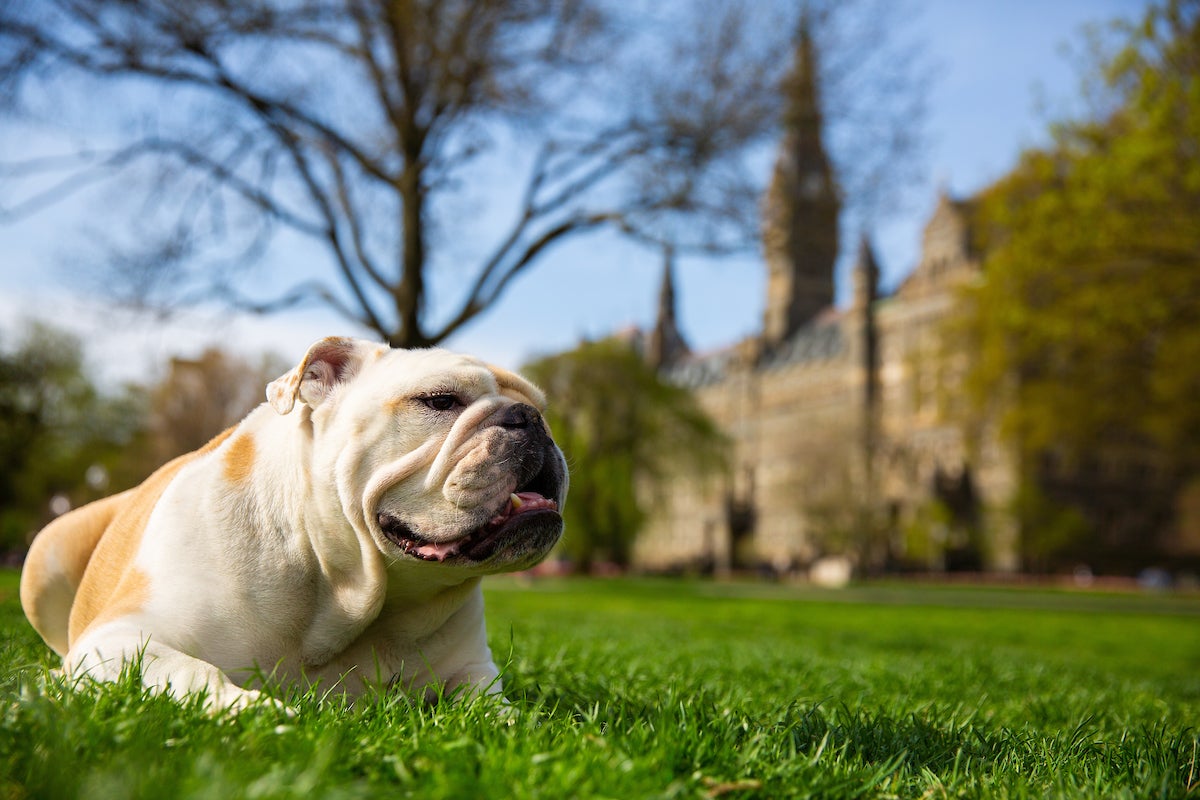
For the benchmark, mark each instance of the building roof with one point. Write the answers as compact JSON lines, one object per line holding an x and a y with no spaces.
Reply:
{"x":820,"y":340}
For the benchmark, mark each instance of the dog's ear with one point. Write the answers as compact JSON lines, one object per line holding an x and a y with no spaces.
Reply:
{"x":513,"y":385}
{"x":327,"y":363}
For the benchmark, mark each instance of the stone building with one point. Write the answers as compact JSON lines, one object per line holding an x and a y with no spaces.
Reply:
{"x":839,"y":440}
{"x":839,"y":432}
{"x":846,"y":429}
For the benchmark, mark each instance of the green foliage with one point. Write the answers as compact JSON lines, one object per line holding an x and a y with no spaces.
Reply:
{"x":672,"y":689}
{"x":54,"y":426}
{"x":62,"y":435}
{"x":1089,"y":319}
{"x":926,"y":533}
{"x":624,"y":430}
{"x":1047,"y":528}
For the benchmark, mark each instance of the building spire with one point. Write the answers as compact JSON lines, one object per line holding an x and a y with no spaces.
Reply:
{"x":865,"y":274}
{"x":800,"y":211}
{"x":666,"y":344}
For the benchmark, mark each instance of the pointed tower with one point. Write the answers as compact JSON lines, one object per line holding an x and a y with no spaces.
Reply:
{"x":800,"y":212}
{"x":666,"y":344}
{"x":865,"y":275}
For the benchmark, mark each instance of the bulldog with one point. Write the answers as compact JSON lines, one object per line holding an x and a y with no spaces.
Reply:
{"x":337,"y":535}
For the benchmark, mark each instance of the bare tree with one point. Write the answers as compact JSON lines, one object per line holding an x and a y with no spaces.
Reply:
{"x":359,"y":125}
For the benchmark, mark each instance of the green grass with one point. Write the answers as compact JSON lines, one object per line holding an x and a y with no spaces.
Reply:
{"x":664,"y":689}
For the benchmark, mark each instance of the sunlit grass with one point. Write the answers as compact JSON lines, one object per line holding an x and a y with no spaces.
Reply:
{"x":664,"y":689}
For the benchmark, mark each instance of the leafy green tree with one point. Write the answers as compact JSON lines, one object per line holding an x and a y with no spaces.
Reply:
{"x":1088,"y":322}
{"x":623,"y":430}
{"x":59,"y":436}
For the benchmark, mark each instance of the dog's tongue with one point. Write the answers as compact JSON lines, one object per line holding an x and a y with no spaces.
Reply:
{"x":439,"y":551}
{"x":518,"y":503}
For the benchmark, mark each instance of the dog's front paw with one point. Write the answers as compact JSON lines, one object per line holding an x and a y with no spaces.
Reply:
{"x":235,"y":700}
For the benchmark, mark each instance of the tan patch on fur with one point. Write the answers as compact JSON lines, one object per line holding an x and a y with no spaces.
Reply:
{"x":111,"y":587}
{"x":517,"y":388}
{"x":131,"y":595}
{"x":394,"y":405}
{"x":238,"y":461}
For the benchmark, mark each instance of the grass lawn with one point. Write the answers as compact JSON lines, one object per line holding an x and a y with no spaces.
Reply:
{"x":674,"y":689}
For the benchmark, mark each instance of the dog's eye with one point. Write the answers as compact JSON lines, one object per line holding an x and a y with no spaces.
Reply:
{"x":441,"y":402}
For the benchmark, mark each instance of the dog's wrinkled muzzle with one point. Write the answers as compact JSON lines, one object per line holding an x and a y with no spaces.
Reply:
{"x":524,"y":524}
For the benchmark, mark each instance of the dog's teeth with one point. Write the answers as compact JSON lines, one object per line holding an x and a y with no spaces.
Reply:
{"x":517,"y":502}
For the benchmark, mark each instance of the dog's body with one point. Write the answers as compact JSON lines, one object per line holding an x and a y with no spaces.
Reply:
{"x":340,"y":540}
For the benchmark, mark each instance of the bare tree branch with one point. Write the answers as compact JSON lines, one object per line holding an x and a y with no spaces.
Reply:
{"x":351,"y":121}
{"x":489,"y":286}
{"x":332,"y":230}
{"x":297,"y":295}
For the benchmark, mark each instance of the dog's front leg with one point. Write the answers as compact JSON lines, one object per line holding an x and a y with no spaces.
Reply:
{"x":105,"y":653}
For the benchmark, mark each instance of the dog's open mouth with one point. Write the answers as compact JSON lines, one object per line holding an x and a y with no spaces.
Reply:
{"x":476,"y":545}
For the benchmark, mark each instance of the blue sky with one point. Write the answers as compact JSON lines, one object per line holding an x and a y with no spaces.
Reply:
{"x":1001,"y":73}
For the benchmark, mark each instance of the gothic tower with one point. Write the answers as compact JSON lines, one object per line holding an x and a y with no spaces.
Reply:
{"x":865,"y":275}
{"x":666,"y":344}
{"x":800,"y":211}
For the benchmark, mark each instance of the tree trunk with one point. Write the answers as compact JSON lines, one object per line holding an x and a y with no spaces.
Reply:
{"x":410,"y":290}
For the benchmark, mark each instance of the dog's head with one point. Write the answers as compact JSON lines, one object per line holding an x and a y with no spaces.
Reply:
{"x":438,"y":457}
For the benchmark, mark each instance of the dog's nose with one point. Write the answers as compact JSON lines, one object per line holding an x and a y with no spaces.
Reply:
{"x":518,"y":415}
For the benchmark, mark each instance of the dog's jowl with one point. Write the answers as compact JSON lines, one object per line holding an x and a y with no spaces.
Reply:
{"x":337,"y":534}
